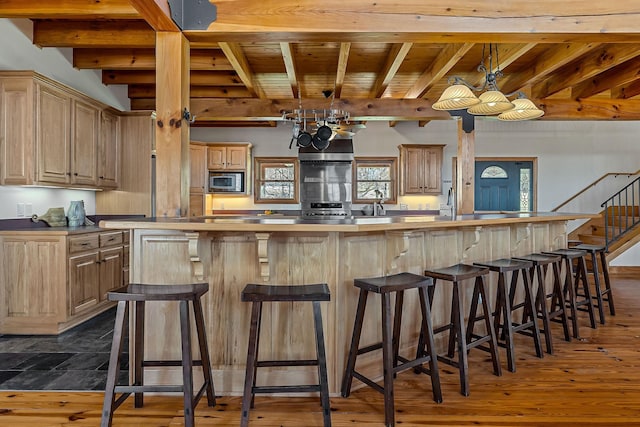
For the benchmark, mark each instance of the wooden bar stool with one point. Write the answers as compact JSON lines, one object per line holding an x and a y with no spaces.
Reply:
{"x":502,"y":317}
{"x":257,"y":294}
{"x":555,"y":311}
{"x":572,"y":284}
{"x":139,"y":294}
{"x":465,"y":341}
{"x":605,"y":294}
{"x":384,"y":286}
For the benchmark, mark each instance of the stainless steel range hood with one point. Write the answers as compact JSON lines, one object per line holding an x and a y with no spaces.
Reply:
{"x":325,"y":180}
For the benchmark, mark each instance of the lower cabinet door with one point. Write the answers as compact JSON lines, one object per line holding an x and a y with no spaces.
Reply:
{"x":110,"y":270}
{"x":84,"y":282}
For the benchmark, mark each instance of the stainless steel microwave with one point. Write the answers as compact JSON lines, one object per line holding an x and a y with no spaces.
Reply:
{"x":226,"y":182}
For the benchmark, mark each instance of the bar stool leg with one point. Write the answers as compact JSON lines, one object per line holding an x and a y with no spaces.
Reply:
{"x":427,"y":329}
{"x":541,"y":305}
{"x":531,"y":307}
{"x":607,"y":283}
{"x":397,"y":327}
{"x":138,"y":370}
{"x":493,"y":342}
{"x":557,"y":289}
{"x":507,"y":326}
{"x":355,"y":342}
{"x":114,"y":364}
{"x":204,"y":351}
{"x":581,"y":277}
{"x":596,"y":284}
{"x":387,"y":361}
{"x":252,"y":356}
{"x":458,"y":329}
{"x":322,"y":365}
{"x":569,"y":288}
{"x":187,"y":364}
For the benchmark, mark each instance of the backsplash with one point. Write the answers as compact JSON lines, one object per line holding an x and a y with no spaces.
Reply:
{"x":37,"y":200}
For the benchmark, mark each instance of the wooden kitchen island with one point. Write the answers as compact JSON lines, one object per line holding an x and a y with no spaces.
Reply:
{"x":229,"y":252}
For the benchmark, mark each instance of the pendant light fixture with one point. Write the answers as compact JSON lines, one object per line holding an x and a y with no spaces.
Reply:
{"x":492,"y":101}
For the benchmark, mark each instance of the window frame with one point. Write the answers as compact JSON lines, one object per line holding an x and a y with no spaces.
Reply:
{"x":260,"y":163}
{"x":391,"y":162}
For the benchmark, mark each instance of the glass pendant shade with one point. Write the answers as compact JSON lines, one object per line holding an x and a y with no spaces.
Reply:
{"x":456,"y":97}
{"x":524,"y":109}
{"x":491,"y":102}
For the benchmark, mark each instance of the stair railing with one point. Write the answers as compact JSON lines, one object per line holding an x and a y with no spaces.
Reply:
{"x":621,"y":211}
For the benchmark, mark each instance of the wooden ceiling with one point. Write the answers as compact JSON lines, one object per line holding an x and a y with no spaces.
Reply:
{"x":384,"y":60}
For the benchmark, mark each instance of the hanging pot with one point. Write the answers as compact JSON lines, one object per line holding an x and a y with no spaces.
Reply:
{"x":319,"y":144}
{"x":304,"y":139}
{"x":324,"y":132}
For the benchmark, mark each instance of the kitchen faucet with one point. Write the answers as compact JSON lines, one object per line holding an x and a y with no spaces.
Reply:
{"x":377,"y":203}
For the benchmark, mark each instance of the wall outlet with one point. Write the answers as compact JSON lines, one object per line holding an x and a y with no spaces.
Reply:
{"x":20,"y":210}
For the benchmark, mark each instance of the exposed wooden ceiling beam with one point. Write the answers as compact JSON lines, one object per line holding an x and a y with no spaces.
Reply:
{"x":156,"y":13}
{"x":584,"y":69}
{"x":616,"y":76}
{"x":626,"y":91}
{"x":549,"y":61}
{"x":198,"y":78}
{"x":343,"y":59}
{"x":149,"y":91}
{"x":394,"y":59}
{"x":68,"y":9}
{"x":590,"y":109}
{"x":359,"y":16}
{"x":359,"y":109}
{"x":446,"y":60}
{"x":144,"y":59}
{"x":290,"y":66}
{"x":93,"y":34}
{"x":236,"y":57}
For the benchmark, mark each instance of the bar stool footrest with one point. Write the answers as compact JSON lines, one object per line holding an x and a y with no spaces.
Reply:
{"x":155,"y":363}
{"x":271,"y":363}
{"x":287,"y":389}
{"x":368,"y":382}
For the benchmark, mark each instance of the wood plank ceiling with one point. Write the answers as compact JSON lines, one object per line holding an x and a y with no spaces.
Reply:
{"x":383,"y":60}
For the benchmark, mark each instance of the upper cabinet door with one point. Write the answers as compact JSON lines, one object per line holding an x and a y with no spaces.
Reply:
{"x":84,"y":147}
{"x":16,"y":131}
{"x":227,"y":157}
{"x":52,"y":135}
{"x":197,"y":168}
{"x":216,"y":157}
{"x":109,"y":151}
{"x":236,"y":157}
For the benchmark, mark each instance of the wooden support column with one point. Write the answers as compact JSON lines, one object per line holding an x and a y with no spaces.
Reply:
{"x":172,"y":131}
{"x":465,"y":170}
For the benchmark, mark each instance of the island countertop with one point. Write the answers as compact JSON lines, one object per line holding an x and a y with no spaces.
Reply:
{"x":353,"y":224}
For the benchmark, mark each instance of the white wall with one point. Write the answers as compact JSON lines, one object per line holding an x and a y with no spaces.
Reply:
{"x":38,"y":200}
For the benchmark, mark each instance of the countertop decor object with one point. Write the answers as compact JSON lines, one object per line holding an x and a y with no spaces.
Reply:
{"x":54,"y":217}
{"x":76,"y":213}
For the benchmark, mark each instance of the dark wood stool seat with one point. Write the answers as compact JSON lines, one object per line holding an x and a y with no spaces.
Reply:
{"x":139,"y":294}
{"x":392,"y":362}
{"x":502,"y":317}
{"x":572,"y":283}
{"x":605,"y":294}
{"x":554,"y":312}
{"x":257,"y":294}
{"x":456,"y":327}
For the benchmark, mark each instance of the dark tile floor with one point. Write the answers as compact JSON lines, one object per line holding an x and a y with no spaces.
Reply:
{"x":77,"y":359}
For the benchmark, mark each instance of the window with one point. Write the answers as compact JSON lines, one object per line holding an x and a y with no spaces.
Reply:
{"x":494,"y":172}
{"x":276,"y":180}
{"x":375,"y":177}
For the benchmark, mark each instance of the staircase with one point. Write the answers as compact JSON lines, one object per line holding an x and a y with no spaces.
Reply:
{"x":617,"y":227}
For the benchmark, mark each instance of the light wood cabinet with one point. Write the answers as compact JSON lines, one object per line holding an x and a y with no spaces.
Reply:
{"x":227,"y":157}
{"x":16,"y":131}
{"x":196,"y":204}
{"x":198,"y":168}
{"x":53,"y":109}
{"x":420,"y":169}
{"x":51,"y":283}
{"x":109,"y":151}
{"x":53,"y":135}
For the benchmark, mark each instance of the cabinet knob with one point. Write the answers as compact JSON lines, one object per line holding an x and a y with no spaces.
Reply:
{"x":75,"y":173}
{"x":102,"y":177}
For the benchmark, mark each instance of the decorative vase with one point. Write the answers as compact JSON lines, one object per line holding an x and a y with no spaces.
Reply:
{"x":53,"y":218}
{"x":76,"y":213}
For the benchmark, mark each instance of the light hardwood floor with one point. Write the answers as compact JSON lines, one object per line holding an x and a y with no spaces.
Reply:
{"x":594,"y":381}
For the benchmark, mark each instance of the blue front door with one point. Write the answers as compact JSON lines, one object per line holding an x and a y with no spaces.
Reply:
{"x":503,"y":185}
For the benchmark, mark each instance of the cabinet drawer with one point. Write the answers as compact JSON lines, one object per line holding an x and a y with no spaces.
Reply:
{"x":84,"y":242}
{"x":111,"y":238}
